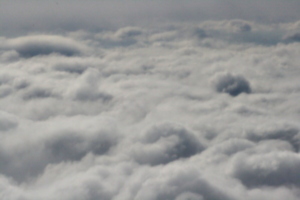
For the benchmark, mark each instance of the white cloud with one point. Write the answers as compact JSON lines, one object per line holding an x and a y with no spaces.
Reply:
{"x":165,"y":143}
{"x":29,"y":46}
{"x":199,"y":111}
{"x":270,"y":169}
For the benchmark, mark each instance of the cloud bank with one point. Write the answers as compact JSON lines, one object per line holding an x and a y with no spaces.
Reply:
{"x":198,"y":110}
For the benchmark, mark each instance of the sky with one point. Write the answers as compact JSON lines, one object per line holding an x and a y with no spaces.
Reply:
{"x":150,"y":100}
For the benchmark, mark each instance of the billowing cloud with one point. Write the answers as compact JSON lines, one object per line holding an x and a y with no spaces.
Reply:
{"x":166,"y":143}
{"x":270,"y":169}
{"x":29,"y":46}
{"x":190,"y":107}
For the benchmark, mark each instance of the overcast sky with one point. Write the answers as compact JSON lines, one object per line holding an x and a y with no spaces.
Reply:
{"x":150,"y":100}
{"x":24,"y":16}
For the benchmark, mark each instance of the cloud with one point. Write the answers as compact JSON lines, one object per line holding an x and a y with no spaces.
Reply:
{"x":295,"y":37}
{"x":29,"y":46}
{"x":271,"y":169}
{"x":277,"y":132}
{"x":71,"y":145}
{"x":165,"y":143}
{"x":47,"y":16}
{"x":189,"y":195}
{"x":231,"y":84}
{"x":7,"y":122}
{"x":38,"y":93}
{"x":128,"y":32}
{"x":126,"y":36}
{"x":130,"y":111}
{"x":178,"y":184}
{"x":87,"y":89}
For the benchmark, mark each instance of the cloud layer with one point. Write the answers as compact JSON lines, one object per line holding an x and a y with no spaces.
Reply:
{"x":183,"y":111}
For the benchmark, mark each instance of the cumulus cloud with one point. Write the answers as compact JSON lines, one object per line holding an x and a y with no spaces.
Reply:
{"x":165,"y":143}
{"x":271,"y":169}
{"x":131,"y":111}
{"x":87,"y":89}
{"x":29,"y":46}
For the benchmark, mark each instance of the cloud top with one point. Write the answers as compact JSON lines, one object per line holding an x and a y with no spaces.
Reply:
{"x":29,"y":46}
{"x":142,"y":112}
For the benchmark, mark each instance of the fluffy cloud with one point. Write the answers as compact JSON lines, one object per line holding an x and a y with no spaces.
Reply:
{"x":29,"y":46}
{"x":165,"y":143}
{"x":198,"y":111}
{"x":270,"y":169}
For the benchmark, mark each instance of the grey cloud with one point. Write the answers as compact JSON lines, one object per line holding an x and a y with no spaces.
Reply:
{"x":7,"y":122}
{"x":5,"y":79}
{"x":71,"y":67}
{"x":135,"y":112}
{"x":165,"y":36}
{"x":5,"y":85}
{"x":87,"y":88}
{"x":242,"y":31}
{"x":285,"y":133}
{"x":26,"y":161}
{"x":29,"y":46}
{"x":21,"y":84}
{"x":230,"y":147}
{"x":231,"y":84}
{"x":272,"y":169}
{"x":5,"y":91}
{"x":74,"y":146}
{"x":9,"y":56}
{"x":295,"y":37}
{"x":128,"y":32}
{"x":187,"y":183}
{"x":38,"y":16}
{"x":123,"y":37}
{"x":189,"y":196}
{"x":200,"y":33}
{"x":38,"y":93}
{"x":165,"y":143}
{"x":241,"y":26}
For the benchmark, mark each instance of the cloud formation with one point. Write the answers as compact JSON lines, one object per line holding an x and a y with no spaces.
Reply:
{"x":29,"y":46}
{"x":205,"y":110}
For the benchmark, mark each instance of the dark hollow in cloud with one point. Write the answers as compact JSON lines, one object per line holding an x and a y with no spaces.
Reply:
{"x":231,"y":84}
{"x":29,"y":46}
{"x":200,"y":33}
{"x":73,"y":146}
{"x":38,"y":93}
